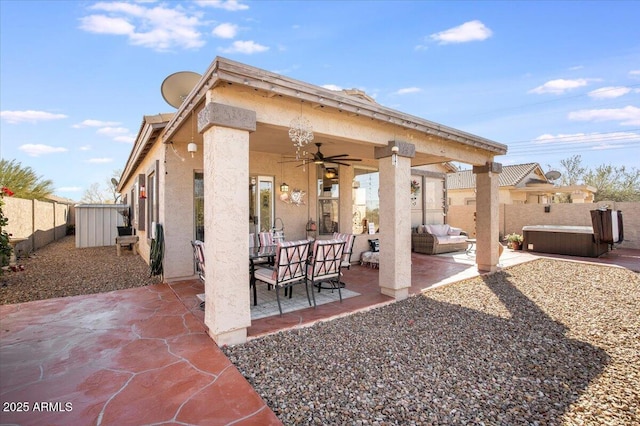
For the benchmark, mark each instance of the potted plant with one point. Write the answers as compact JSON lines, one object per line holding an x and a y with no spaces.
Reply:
{"x":126,"y":229}
{"x":514,"y":241}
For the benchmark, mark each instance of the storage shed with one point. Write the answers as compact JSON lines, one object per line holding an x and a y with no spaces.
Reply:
{"x":97,"y":224}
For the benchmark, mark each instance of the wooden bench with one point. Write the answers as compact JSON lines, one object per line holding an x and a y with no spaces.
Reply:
{"x":126,"y":240}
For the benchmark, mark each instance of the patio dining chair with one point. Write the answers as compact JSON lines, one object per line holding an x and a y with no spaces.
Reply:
{"x":324,"y":265}
{"x":198,"y":263}
{"x":290,"y":269}
{"x":198,"y":259}
{"x":348,"y":239}
{"x":260,"y":260}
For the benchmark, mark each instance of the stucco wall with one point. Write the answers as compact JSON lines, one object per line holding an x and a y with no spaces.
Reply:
{"x":172,"y":170}
{"x":514,"y":216}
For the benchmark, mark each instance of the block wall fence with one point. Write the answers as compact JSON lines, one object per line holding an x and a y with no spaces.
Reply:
{"x":40,"y":222}
{"x":514,"y":216}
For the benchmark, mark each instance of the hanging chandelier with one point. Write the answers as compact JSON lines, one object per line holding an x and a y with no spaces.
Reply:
{"x":300,"y":133}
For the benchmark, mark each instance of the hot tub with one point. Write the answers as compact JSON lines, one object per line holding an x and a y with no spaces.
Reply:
{"x":568,"y":240}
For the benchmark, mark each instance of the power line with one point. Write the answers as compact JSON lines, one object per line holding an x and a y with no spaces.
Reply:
{"x":564,"y":98}
{"x":570,"y":149}
{"x":584,"y":137}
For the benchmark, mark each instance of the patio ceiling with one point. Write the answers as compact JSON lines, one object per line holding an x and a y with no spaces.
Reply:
{"x":273,"y":139}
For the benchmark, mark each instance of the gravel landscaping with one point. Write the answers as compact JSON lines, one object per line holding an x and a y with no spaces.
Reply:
{"x":61,"y":270}
{"x":547,"y":342}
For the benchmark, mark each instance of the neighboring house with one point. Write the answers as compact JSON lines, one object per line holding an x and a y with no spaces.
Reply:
{"x":518,"y":184}
{"x":216,"y":169}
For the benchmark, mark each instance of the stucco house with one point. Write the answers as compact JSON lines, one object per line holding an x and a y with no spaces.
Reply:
{"x":517,"y":184}
{"x":213,"y":170}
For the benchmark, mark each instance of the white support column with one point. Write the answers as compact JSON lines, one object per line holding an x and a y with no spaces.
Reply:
{"x":226,"y":207}
{"x":395,"y":218}
{"x":487,"y":216}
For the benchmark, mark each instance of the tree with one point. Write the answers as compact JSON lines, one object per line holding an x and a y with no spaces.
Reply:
{"x":105,"y":195}
{"x":574,"y":172}
{"x":612,"y":183}
{"x":23,"y":181}
{"x":94,"y":195}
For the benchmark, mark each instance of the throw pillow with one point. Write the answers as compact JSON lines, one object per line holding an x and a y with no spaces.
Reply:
{"x":374,"y":245}
{"x":454,"y":231}
{"x":439,"y":230}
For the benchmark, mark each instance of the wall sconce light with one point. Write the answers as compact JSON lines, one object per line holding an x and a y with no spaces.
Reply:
{"x":192,"y":148}
{"x":284,"y":187}
{"x":394,"y":157}
{"x":143,"y":192}
{"x":253,"y":181}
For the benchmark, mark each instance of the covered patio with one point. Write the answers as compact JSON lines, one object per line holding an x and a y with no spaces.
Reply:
{"x":244,"y":116}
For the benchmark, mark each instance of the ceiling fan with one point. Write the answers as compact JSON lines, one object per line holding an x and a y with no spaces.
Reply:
{"x":320,"y":158}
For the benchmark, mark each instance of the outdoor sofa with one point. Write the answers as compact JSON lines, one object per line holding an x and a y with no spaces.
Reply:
{"x":436,"y":239}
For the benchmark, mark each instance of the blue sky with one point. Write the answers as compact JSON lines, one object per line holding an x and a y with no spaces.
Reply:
{"x":549,"y":79}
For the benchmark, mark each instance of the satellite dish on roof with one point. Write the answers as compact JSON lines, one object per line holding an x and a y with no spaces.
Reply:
{"x":552,"y":174}
{"x":177,"y":86}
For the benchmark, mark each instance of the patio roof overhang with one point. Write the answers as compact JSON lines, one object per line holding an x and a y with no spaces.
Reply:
{"x":453,"y":144}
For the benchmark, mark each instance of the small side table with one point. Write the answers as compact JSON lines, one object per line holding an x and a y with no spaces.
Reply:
{"x":471,"y":245}
{"x":126,"y":240}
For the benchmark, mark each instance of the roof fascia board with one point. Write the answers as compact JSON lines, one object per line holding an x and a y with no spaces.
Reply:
{"x":144,"y":137}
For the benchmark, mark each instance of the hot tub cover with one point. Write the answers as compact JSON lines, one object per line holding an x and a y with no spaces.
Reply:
{"x":560,"y":228}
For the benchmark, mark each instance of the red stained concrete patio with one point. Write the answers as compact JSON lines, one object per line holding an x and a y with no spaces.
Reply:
{"x":142,"y":356}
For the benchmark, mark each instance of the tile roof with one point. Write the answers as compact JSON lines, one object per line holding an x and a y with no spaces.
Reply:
{"x":510,"y":176}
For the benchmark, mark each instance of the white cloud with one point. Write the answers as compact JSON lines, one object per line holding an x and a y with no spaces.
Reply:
{"x":609,"y":92}
{"x":230,"y":5}
{"x":157,"y":27}
{"x":225,"y":30}
{"x":36,"y":150}
{"x":559,"y":86}
{"x":408,"y":90}
{"x":85,"y":148}
{"x":627,"y":116}
{"x":634,"y":73}
{"x":469,"y":31}
{"x":101,"y":24}
{"x":95,"y":123}
{"x":100,"y":160}
{"x":332,"y":87}
{"x":125,"y":139}
{"x":31,"y":116}
{"x":247,"y":47}
{"x":112,"y":131}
